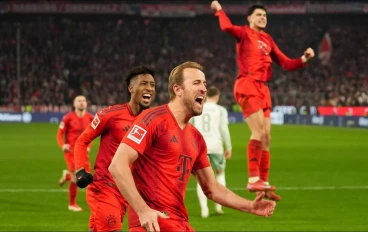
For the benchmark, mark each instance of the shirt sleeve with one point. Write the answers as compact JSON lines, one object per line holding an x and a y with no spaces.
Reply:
{"x":285,"y":62}
{"x":140,"y":135}
{"x":227,"y":26}
{"x":97,"y":127}
{"x":202,"y":159}
{"x":224,"y":127}
{"x":63,"y":126}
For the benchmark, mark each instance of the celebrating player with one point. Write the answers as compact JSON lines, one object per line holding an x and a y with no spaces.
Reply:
{"x":107,"y":205}
{"x":72,"y":125}
{"x":164,"y":149}
{"x":255,"y":52}
{"x":213,"y":125}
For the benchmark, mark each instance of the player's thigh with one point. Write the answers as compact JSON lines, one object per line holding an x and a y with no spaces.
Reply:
{"x":107,"y":213}
{"x":250,"y":96}
{"x":256,"y":122}
{"x":137,"y":229}
{"x":218,"y":162}
{"x":69,"y":160}
{"x":174,"y":225}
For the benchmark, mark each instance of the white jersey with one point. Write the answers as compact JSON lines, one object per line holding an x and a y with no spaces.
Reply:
{"x":213,"y":125}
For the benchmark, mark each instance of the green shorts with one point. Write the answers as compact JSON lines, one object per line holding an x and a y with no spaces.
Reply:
{"x":218,"y":162}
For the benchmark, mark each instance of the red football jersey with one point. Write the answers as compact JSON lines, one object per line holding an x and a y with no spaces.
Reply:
{"x":256,"y":51}
{"x":72,"y":126}
{"x":111,"y":124}
{"x":168,"y":155}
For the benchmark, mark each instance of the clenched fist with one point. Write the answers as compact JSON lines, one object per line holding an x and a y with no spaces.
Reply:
{"x":216,"y":6}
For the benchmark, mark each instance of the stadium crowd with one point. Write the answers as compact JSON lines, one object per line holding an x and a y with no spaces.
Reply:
{"x":62,"y":56}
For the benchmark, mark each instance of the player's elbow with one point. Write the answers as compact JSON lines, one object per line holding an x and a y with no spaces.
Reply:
{"x":210,"y":191}
{"x":113,"y":169}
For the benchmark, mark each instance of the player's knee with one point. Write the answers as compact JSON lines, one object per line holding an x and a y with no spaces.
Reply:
{"x":72,"y":177}
{"x":266,"y":141}
{"x":258,"y":133}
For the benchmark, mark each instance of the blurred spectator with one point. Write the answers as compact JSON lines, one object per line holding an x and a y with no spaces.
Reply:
{"x":62,"y":56}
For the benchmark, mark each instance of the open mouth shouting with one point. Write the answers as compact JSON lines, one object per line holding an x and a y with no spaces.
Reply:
{"x":199,"y":100}
{"x":147,"y":97}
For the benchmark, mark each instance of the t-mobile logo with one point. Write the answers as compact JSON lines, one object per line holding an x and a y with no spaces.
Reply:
{"x":185,"y":162}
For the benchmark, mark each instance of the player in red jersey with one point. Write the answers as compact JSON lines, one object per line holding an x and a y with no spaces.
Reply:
{"x":72,"y":125}
{"x":164,"y":149}
{"x":107,"y":205}
{"x":255,"y":52}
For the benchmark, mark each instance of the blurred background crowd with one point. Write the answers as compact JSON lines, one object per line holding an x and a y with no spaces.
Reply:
{"x":62,"y":56}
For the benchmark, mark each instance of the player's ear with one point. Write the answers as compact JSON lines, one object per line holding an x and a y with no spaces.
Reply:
{"x":131,"y":88}
{"x":178,"y":90}
{"x":249,"y":19}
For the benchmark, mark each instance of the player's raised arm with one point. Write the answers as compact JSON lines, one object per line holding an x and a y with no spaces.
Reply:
{"x":225,"y":23}
{"x":224,"y":196}
{"x":287,"y":63}
{"x":81,"y":148}
{"x":225,"y":133}
{"x":60,"y":134}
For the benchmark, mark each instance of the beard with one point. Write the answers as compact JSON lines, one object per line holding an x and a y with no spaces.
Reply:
{"x":189,"y":104}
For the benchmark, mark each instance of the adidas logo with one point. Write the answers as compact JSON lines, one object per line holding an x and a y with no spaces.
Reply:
{"x":126,"y":128}
{"x":253,"y":159}
{"x":173,"y":139}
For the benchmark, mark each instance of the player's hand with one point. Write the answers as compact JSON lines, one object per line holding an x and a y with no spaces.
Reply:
{"x":65,"y":147}
{"x":83,"y":178}
{"x":262,"y":207}
{"x":148,"y":219}
{"x":309,"y":53}
{"x":216,"y":6}
{"x":228,"y":154}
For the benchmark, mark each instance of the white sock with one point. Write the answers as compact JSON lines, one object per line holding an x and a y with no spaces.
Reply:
{"x":202,"y":198}
{"x":221,"y":179}
{"x":253,"y":179}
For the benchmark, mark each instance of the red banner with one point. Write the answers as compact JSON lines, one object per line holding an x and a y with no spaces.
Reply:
{"x":343,"y":111}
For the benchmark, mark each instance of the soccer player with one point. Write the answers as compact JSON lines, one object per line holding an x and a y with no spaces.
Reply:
{"x":255,"y":52}
{"x":107,"y":205}
{"x":213,"y":125}
{"x":72,"y":125}
{"x":164,"y":149}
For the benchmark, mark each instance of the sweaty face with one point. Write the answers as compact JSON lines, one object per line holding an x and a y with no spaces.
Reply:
{"x":258,"y":19}
{"x":194,"y":90}
{"x":80,"y":103}
{"x":143,"y":90}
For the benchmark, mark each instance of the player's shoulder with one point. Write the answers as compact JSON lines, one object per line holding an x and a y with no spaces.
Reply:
{"x":194,"y":131}
{"x":69,"y":115}
{"x":222,"y":109}
{"x":154,"y":115}
{"x":109,"y":111}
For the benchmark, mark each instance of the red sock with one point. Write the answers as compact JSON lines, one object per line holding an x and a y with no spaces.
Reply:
{"x":73,"y":190}
{"x":68,"y":177}
{"x":254,"y":157}
{"x":265,"y":166}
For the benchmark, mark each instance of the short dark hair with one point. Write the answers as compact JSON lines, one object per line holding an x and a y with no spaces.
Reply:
{"x":212,"y":91}
{"x":254,"y":7}
{"x":138,"y":70}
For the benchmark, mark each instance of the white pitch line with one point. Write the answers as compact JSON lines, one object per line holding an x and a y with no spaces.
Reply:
{"x":192,"y":189}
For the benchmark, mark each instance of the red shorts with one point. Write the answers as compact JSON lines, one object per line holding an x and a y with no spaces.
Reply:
{"x":252,"y":96}
{"x":69,"y":159}
{"x":107,"y":206}
{"x":168,"y":225}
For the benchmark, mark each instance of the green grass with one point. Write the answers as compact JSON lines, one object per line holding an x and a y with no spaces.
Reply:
{"x":301,"y":157}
